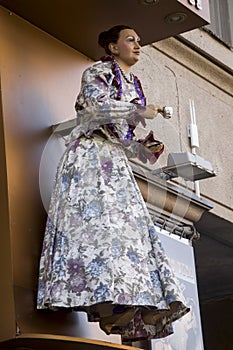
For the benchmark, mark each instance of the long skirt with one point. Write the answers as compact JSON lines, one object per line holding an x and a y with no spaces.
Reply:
{"x":101,"y":253}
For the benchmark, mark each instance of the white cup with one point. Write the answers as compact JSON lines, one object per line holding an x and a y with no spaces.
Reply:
{"x":167,"y":112}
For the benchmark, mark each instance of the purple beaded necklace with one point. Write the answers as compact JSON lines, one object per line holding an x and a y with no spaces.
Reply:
{"x":117,"y":81}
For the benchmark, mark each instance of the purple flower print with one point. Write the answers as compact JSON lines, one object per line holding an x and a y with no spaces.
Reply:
{"x":124,"y":298}
{"x":77,"y":283}
{"x":107,"y":166}
{"x":74,"y":145}
{"x":77,"y":279}
{"x":75,"y":266}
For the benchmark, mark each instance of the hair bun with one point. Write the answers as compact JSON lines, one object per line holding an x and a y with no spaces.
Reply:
{"x":102,"y":40}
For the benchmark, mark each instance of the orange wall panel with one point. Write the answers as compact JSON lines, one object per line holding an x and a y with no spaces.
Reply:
{"x":40,"y":78}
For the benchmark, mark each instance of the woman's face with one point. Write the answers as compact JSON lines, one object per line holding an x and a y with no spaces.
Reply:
{"x":127,"y":48}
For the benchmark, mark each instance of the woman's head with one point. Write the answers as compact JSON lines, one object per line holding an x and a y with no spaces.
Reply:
{"x":122,"y":42}
{"x":110,"y":36}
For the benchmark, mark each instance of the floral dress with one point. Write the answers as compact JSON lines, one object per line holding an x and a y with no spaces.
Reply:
{"x":101,"y":253}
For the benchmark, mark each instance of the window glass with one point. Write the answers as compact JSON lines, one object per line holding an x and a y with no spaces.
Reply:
{"x":221,"y":14}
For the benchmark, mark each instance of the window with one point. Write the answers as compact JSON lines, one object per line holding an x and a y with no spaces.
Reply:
{"x":221,"y":26}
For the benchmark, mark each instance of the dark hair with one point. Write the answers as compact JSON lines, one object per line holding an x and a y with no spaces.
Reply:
{"x":110,"y":36}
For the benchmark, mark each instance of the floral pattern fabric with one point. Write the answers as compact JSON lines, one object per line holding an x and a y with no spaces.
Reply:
{"x":101,"y":251}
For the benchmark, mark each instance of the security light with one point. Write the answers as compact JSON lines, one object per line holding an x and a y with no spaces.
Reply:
{"x":148,"y":2}
{"x":176,"y":17}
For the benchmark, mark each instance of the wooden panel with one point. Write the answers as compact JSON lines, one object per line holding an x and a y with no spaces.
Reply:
{"x":7,"y":318}
{"x":53,"y":342}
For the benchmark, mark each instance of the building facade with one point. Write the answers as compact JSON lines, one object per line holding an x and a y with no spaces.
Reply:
{"x":187,"y":65}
